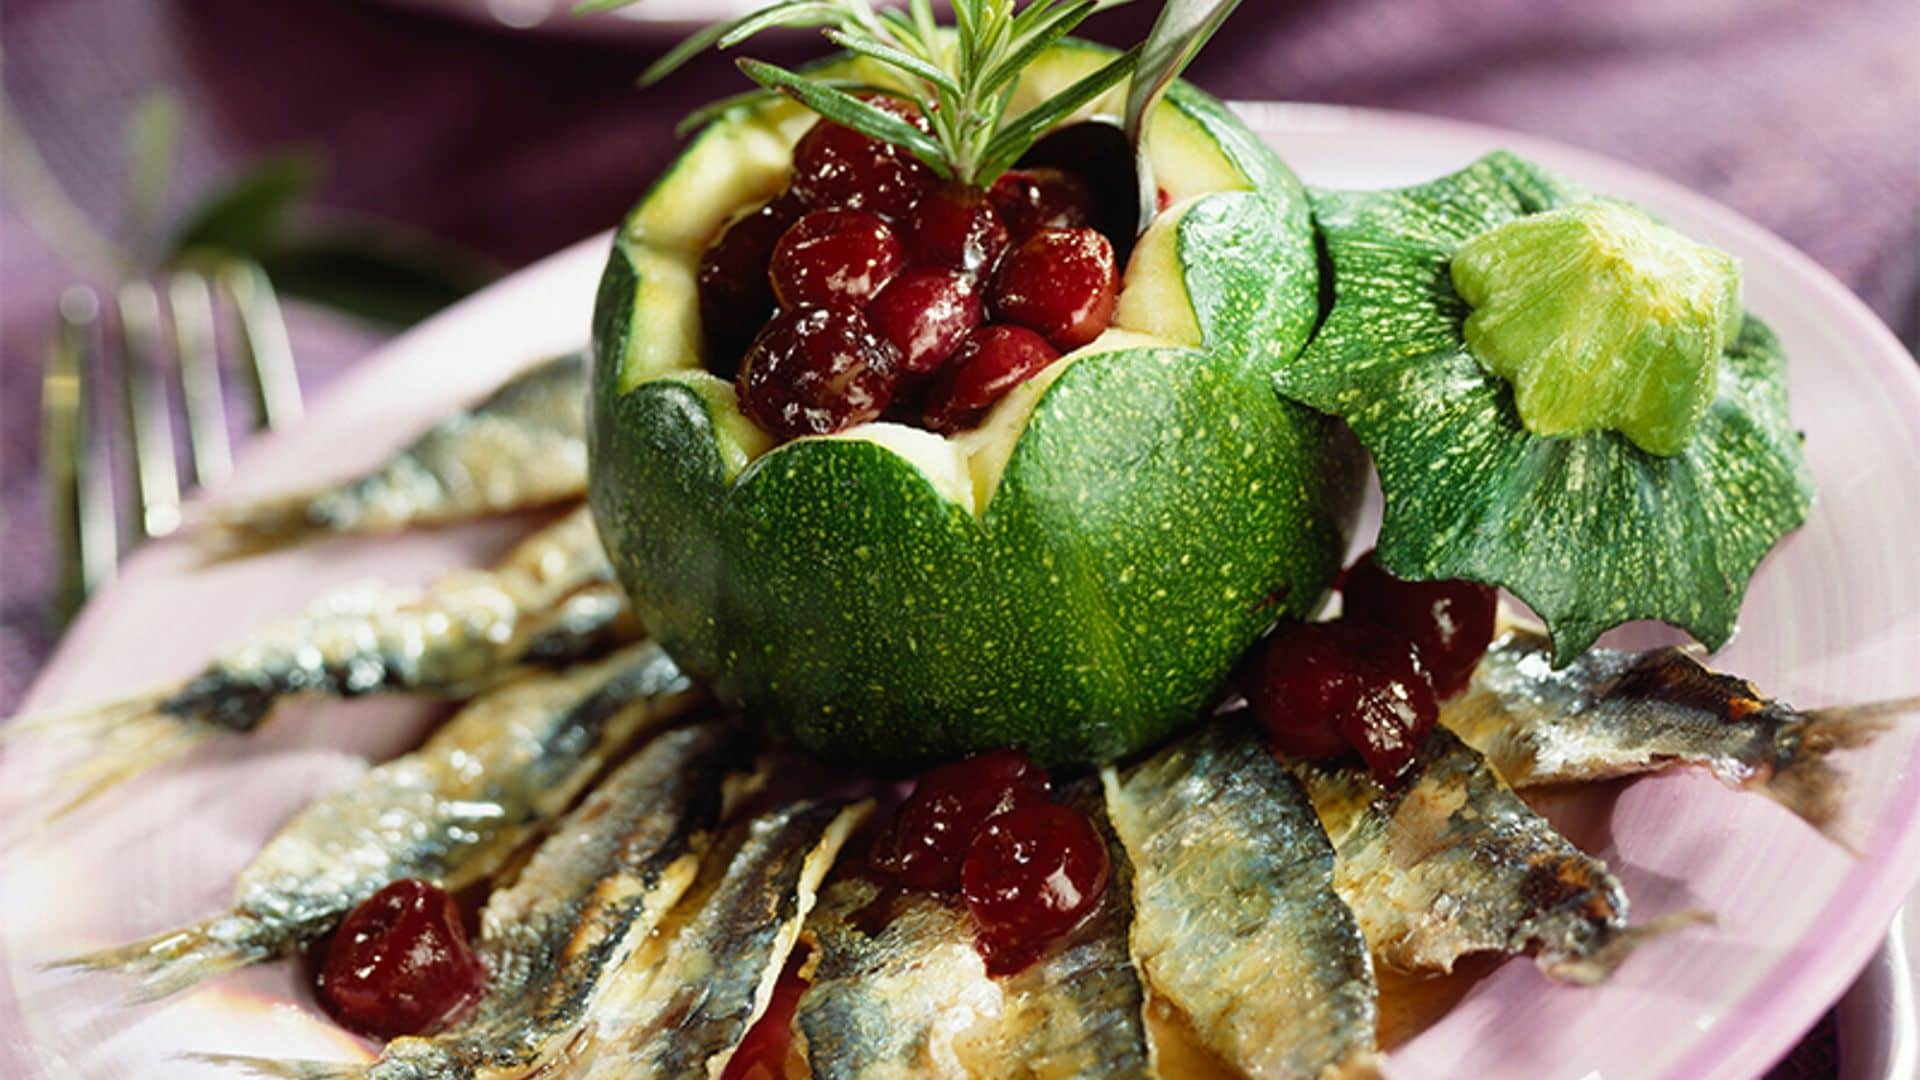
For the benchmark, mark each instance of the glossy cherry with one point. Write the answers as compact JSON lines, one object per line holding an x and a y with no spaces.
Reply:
{"x":816,"y":370}
{"x":955,"y":226}
{"x":991,"y":361}
{"x":1034,"y":873}
{"x":400,"y":964}
{"x":1061,"y":283}
{"x":1450,"y":622}
{"x":735,"y":293}
{"x":835,"y":166}
{"x":926,"y":313}
{"x":935,"y":827}
{"x":835,"y":256}
{"x":764,"y":1051}
{"x":1029,"y":200}
{"x":1321,"y":689}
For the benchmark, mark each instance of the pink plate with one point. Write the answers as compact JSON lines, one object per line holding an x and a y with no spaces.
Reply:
{"x":1833,"y":617}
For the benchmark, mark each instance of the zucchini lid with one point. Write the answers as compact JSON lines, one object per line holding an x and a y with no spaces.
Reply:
{"x":1588,"y":529}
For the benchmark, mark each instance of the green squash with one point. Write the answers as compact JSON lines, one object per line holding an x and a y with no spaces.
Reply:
{"x":1077,"y":576}
{"x":1589,"y":528}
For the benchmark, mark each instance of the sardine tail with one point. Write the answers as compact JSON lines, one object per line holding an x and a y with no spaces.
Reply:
{"x":1593,"y":966}
{"x":115,"y":742}
{"x":242,"y":528}
{"x":142,"y":740}
{"x":1805,"y":783}
{"x":293,"y":1070}
{"x":176,"y":960}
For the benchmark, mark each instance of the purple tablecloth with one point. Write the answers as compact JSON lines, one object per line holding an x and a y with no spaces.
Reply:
{"x":1804,"y":116}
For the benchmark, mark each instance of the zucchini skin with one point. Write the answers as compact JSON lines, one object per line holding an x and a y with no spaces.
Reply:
{"x":1161,"y":507}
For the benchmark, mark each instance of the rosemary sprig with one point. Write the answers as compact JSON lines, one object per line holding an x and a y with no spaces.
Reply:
{"x":961,"y":80}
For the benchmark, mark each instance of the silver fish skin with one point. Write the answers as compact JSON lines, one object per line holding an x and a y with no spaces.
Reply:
{"x":681,"y":1009}
{"x":1237,"y":923}
{"x":451,"y":812}
{"x":552,"y":941}
{"x":1454,"y":863}
{"x":900,"y":991}
{"x":1611,"y":714}
{"x":550,"y":601}
{"x":522,"y":446}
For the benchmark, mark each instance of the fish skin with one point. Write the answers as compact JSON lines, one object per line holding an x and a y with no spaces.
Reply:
{"x":550,"y":602}
{"x":522,"y":446}
{"x":681,"y":1009}
{"x":1237,"y":923}
{"x":894,"y":1003}
{"x":1454,"y":863}
{"x":900,"y":991}
{"x":451,"y":812}
{"x":1612,"y":714}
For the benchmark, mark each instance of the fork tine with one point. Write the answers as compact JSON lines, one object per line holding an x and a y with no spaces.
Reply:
{"x":192,"y":305}
{"x":78,"y":491}
{"x":149,"y":426}
{"x":276,"y":385}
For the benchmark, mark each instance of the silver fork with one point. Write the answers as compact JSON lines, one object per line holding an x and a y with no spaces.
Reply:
{"x":152,"y":333}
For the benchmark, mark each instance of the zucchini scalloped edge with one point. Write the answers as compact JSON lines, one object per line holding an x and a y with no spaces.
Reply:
{"x":1589,"y":530}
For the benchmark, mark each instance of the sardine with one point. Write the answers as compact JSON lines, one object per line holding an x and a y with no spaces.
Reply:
{"x":1237,"y":924}
{"x":551,"y":942}
{"x":451,"y":813}
{"x":681,"y":1008}
{"x":523,"y":446}
{"x":900,"y":991}
{"x":1454,"y":863}
{"x":552,"y":600}
{"x":1613,"y":713}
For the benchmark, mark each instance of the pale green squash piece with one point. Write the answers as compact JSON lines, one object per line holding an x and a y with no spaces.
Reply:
{"x":1602,"y":319}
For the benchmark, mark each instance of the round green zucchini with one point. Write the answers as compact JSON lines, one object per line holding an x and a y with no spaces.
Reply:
{"x":1075,"y":577}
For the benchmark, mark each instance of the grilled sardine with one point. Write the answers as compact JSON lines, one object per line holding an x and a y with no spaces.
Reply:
{"x":450,"y":812}
{"x":551,"y":601}
{"x":1237,"y":924}
{"x":680,"y":1008}
{"x":1613,"y":713}
{"x":523,"y":446}
{"x":1454,"y":863}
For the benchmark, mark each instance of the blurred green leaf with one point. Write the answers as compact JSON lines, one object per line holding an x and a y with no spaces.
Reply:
{"x":247,"y":215}
{"x":153,"y":143}
{"x":374,"y":271}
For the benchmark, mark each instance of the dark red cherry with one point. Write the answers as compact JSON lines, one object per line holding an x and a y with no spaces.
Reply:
{"x":1034,"y":873}
{"x":816,"y":370}
{"x":735,"y":294}
{"x":765,"y":1049}
{"x":1033,"y":199}
{"x":835,"y":256}
{"x":926,"y":313}
{"x":1059,"y":282}
{"x":835,"y":166}
{"x":991,"y":361}
{"x":400,"y":964}
{"x":1321,"y":689}
{"x":955,"y":226}
{"x":1303,"y":681}
{"x":1450,"y":622}
{"x":936,"y":825}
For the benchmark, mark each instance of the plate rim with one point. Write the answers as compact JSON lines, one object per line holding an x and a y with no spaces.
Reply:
{"x":1750,"y":1034}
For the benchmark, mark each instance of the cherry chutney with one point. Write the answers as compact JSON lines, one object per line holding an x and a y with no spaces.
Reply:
{"x":870,"y":279}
